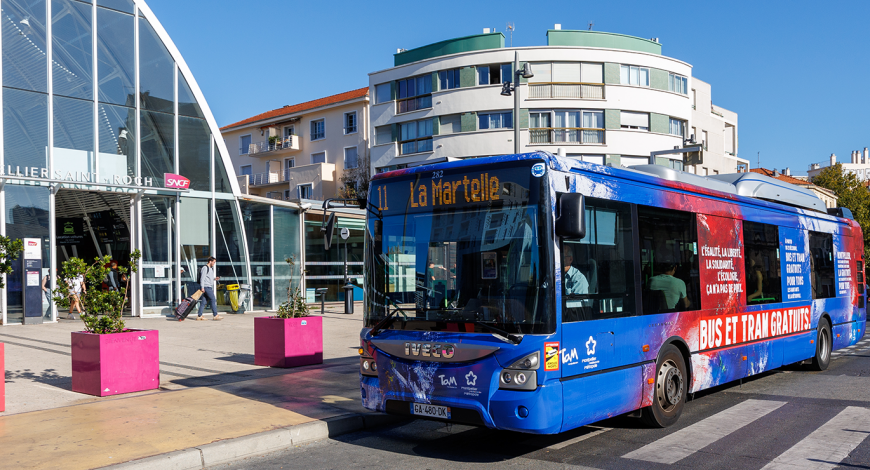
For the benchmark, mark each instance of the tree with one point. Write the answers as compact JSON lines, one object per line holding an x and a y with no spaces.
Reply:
{"x":101,"y":310}
{"x":355,"y":181}
{"x":9,"y":250}
{"x":851,"y":194}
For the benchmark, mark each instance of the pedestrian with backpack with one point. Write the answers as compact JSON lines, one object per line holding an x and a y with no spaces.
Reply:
{"x":207,"y":280}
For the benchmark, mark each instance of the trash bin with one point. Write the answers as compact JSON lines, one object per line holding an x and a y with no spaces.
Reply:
{"x":238,"y":293}
{"x":244,"y":293}
{"x":348,"y":298}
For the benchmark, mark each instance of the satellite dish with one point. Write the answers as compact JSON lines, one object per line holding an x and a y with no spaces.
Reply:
{"x":328,"y":231}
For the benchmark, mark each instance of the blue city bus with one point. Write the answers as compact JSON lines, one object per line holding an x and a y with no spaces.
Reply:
{"x":536,"y":293}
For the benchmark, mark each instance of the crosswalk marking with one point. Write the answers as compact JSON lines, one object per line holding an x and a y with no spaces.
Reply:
{"x":687,"y":441}
{"x":828,"y":445}
{"x":563,"y":444}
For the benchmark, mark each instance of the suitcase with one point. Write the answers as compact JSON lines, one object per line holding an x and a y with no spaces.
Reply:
{"x":186,"y":306}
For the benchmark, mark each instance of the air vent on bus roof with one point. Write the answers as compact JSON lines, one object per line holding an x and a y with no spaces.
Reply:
{"x":772,"y":189}
{"x":744,"y":184}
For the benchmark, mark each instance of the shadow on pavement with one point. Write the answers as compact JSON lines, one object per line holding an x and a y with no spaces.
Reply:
{"x":47,"y":377}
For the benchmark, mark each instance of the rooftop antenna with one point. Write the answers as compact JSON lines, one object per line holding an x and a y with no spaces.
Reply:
{"x":591,"y":24}
{"x":510,"y":27}
{"x":758,"y":162}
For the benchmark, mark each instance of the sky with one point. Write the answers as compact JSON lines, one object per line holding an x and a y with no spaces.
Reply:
{"x":796,"y":72}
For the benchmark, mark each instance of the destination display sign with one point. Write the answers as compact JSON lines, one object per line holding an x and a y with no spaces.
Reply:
{"x":453,"y":188}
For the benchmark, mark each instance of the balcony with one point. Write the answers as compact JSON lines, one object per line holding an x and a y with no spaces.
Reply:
{"x":569,"y":135}
{"x":319,"y":177}
{"x":266,"y":148}
{"x":586,"y":91}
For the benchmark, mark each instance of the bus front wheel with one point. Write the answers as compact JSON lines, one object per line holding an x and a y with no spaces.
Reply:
{"x":823,"y":346}
{"x":670,"y":389}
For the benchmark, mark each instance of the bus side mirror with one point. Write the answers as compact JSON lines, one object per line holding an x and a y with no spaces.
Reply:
{"x":570,"y":215}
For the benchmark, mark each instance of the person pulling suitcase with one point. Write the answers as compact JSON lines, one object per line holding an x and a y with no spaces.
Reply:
{"x":207,"y":283}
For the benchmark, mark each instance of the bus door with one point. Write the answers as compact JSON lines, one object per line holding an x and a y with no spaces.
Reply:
{"x":598,"y":301}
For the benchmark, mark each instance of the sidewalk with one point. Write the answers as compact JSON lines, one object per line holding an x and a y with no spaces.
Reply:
{"x":210,"y":391}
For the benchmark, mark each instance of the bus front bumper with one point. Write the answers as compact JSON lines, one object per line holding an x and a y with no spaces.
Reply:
{"x":538,"y":411}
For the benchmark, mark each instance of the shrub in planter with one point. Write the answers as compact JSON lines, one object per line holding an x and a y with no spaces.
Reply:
{"x":292,"y":338}
{"x":107,"y":358}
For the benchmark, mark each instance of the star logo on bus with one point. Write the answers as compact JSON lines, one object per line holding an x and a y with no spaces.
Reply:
{"x":590,"y":346}
{"x":471,"y":378}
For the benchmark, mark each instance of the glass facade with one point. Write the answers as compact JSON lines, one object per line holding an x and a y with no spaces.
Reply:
{"x":325,"y":269}
{"x":96,"y":111}
{"x":95,"y":104}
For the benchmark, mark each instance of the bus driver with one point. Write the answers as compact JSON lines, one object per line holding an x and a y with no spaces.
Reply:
{"x":575,"y":281}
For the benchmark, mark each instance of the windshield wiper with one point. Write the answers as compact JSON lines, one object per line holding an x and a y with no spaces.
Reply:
{"x":389,"y":319}
{"x":513,"y":338}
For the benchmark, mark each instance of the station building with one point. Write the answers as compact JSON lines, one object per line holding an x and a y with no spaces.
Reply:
{"x":100,"y":115}
{"x":595,"y":96}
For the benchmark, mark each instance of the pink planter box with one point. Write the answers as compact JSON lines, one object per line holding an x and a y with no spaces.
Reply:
{"x":288,"y":342}
{"x":2,"y":378}
{"x":104,"y":365}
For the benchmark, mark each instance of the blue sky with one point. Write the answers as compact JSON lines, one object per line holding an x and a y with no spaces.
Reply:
{"x":796,"y":72}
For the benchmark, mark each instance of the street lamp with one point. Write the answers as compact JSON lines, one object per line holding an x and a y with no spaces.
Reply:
{"x":513,"y":86}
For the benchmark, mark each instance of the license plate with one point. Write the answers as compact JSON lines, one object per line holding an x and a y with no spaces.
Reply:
{"x":432,"y":411}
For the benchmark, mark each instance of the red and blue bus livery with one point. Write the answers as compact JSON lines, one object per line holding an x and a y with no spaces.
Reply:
{"x":538,"y":294}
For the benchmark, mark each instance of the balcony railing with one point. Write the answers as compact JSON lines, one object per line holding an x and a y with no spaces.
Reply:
{"x":571,"y":135}
{"x":589,"y":91}
{"x":289,"y":143}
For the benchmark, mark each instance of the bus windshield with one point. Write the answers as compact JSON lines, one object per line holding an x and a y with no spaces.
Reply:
{"x":460,"y":250}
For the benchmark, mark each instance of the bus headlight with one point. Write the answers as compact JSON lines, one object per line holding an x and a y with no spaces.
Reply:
{"x":530,"y":362}
{"x":522,"y":374}
{"x":367,"y":366}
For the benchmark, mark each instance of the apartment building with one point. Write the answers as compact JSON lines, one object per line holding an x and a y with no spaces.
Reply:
{"x":715,"y":128}
{"x":301,"y":151}
{"x":858,"y":164}
{"x":596,"y":96}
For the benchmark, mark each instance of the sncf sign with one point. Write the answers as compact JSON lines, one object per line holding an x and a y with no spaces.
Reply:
{"x":171,"y":180}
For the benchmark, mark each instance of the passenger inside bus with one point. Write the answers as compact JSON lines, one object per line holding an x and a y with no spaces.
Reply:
{"x":754,"y":279}
{"x":674,"y":288}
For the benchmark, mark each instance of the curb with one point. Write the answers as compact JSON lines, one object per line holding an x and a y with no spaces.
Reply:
{"x":230,"y":450}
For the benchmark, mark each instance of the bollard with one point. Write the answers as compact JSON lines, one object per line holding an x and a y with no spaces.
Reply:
{"x":348,"y":298}
{"x":2,"y":379}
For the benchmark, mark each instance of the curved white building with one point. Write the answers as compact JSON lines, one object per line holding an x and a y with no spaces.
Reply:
{"x":601,"y":97}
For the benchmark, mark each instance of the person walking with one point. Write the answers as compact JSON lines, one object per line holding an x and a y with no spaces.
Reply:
{"x":207,"y":284}
{"x":78,"y":287}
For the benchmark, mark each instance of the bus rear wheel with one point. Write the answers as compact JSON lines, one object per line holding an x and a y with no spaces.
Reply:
{"x":670,"y":389}
{"x":824,"y":345}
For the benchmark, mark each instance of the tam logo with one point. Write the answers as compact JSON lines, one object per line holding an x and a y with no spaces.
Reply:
{"x":171,"y":180}
{"x":32,"y":243}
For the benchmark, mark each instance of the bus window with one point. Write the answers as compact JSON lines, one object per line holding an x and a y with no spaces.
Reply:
{"x":822,"y":265}
{"x":669,"y":260}
{"x":763,"y":275}
{"x":598,"y":270}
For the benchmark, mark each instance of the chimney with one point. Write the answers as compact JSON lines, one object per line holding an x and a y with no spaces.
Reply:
{"x":866,"y":156}
{"x":833,"y":159}
{"x":787,"y":171}
{"x":558,"y":26}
